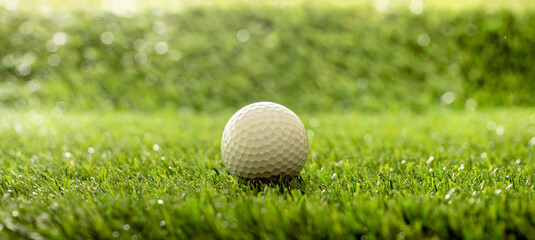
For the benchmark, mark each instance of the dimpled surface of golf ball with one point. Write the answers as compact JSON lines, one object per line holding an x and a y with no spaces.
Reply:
{"x":264,"y":140}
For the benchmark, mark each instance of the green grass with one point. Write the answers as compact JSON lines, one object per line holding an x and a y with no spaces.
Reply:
{"x":319,"y":58}
{"x":367,"y":175}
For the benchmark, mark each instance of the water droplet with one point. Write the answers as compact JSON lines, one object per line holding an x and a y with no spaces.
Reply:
{"x":429,"y":160}
{"x":450,"y":192}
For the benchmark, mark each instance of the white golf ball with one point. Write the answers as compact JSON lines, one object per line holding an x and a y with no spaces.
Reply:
{"x":264,"y":140}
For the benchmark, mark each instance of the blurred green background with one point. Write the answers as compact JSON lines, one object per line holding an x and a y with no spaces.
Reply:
{"x":308,"y":55}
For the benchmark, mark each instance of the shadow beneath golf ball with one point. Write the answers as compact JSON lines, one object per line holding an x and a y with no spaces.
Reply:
{"x":283,"y":185}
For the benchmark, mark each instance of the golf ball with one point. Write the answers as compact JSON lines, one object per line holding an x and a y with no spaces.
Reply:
{"x":264,"y":140}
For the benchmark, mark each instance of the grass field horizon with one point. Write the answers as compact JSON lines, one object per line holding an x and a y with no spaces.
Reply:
{"x":420,"y":121}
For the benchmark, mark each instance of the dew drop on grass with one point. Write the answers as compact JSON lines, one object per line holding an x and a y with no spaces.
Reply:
{"x":450,"y":192}
{"x":429,"y":160}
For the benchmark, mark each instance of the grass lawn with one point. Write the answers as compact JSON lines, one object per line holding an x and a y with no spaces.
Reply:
{"x":443,"y":173}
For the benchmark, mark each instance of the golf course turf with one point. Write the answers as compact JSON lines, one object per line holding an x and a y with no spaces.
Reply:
{"x":420,"y":118}
{"x":446,"y":173}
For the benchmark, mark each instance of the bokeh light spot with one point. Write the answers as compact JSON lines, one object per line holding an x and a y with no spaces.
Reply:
{"x":161,"y":47}
{"x":107,"y":38}
{"x":448,"y":97}
{"x":423,"y":40}
{"x":243,"y":35}
{"x":60,"y":38}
